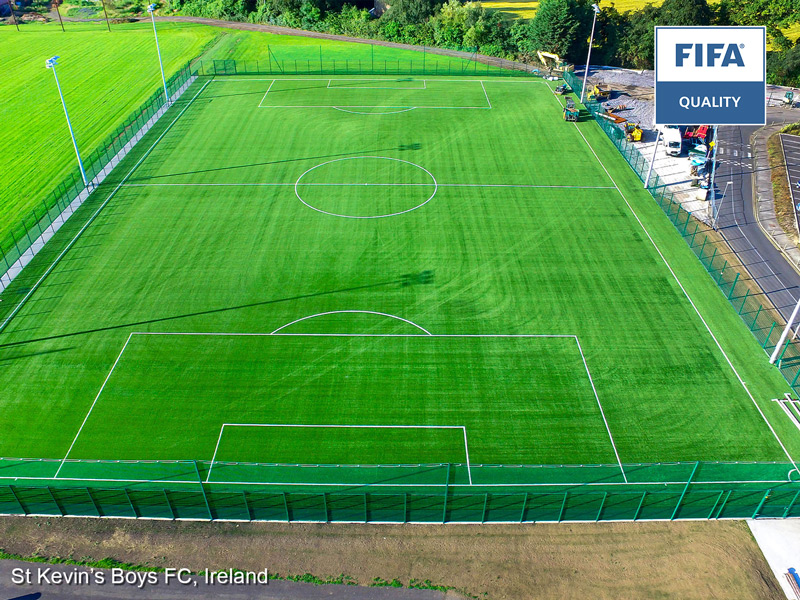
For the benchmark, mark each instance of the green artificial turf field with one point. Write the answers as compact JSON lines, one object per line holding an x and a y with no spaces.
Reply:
{"x":441,"y":268}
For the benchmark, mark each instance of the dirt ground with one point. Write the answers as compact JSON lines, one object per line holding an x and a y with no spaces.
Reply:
{"x":602,"y":560}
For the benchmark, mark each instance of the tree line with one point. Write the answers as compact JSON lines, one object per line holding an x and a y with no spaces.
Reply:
{"x":623,"y":39}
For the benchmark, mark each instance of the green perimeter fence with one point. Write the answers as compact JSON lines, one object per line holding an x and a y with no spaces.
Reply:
{"x":317,"y":60}
{"x":20,"y":239}
{"x":434,"y":493}
{"x":741,"y":291}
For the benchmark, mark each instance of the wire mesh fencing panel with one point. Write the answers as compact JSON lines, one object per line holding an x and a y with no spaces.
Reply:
{"x":521,"y":493}
{"x":763,"y":321}
{"x":370,"y":60}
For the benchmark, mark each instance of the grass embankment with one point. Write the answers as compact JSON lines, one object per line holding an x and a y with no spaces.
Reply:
{"x":781,"y":193}
{"x":104,"y":78}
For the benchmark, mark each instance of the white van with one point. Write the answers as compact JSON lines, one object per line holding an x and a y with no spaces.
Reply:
{"x":672,"y":139}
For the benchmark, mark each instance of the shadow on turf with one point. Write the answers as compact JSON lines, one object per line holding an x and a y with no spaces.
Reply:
{"x":4,"y":359}
{"x":271,"y":162}
{"x":403,"y":281}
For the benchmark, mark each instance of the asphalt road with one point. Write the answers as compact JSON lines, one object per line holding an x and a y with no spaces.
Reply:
{"x":737,"y":222}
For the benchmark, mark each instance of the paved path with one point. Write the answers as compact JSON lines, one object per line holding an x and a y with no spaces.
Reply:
{"x":737,"y":221}
{"x":195,"y":589}
{"x":779,"y":540}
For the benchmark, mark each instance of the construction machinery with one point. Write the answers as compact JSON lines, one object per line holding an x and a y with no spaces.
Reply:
{"x":633,"y":133}
{"x":788,"y":98}
{"x":570,"y":111}
{"x":599,"y":93}
{"x":554,"y":63}
{"x":562,"y":89}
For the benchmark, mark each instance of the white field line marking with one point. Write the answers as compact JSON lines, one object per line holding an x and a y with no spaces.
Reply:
{"x":487,"y":95}
{"x":530,"y":80}
{"x":338,"y":426}
{"x":265,"y":95}
{"x":343,"y":106}
{"x":476,"y":185}
{"x":394,"y":214}
{"x":338,"y":312}
{"x":97,"y":212}
{"x":572,"y":484}
{"x":422,"y":335}
{"x":96,"y":398}
{"x":694,"y":306}
{"x":389,"y":112}
{"x":370,"y":87}
{"x":600,"y":406}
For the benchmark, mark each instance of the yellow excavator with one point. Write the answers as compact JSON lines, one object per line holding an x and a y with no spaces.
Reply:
{"x":633,"y":133}
{"x":553,"y":62}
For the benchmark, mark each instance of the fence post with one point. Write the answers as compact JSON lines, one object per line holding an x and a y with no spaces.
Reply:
{"x":764,"y":345}
{"x":733,"y":287}
{"x":446,"y":489}
{"x":133,"y":508}
{"x":685,"y":489}
{"x":524,"y":506}
{"x":602,"y":504}
{"x":203,"y":489}
{"x":169,"y":504}
{"x":791,"y":504}
{"x":563,"y":506}
{"x":722,"y":506}
{"x":405,"y":507}
{"x":94,"y":503}
{"x":744,"y":300}
{"x":325,"y":506}
{"x":758,"y":312}
{"x":795,"y":379}
{"x":485,"y":506}
{"x":366,"y":507}
{"x":639,"y":508}
{"x":286,"y":507}
{"x":760,"y":504}
{"x":711,"y":512}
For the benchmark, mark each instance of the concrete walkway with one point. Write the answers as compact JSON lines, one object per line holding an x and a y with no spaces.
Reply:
{"x":779,"y":540}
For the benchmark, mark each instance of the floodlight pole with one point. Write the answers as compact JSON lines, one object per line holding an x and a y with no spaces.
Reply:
{"x":51,"y":64}
{"x":151,"y":9}
{"x":652,"y":160}
{"x":589,"y":56}
{"x":779,"y":347}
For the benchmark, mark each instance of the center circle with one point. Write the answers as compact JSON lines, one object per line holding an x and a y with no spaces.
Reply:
{"x":365,"y":187}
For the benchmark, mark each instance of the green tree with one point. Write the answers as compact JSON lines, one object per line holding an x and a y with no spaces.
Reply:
{"x":560,"y":26}
{"x":406,"y":12}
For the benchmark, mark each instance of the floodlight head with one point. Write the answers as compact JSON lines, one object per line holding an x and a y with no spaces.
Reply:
{"x":51,"y":62}
{"x":151,"y":8}
{"x":596,"y":9}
